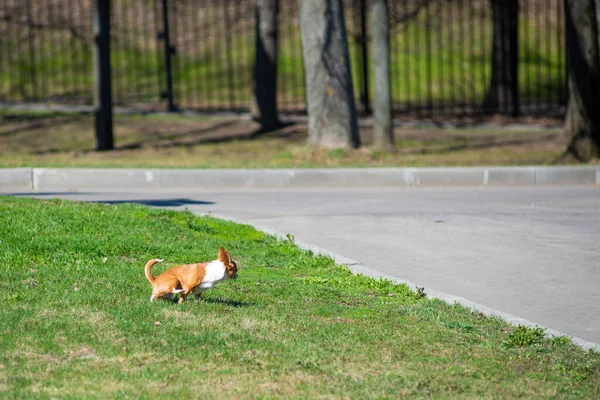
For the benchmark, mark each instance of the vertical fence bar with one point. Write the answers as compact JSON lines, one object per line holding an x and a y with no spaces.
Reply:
{"x":212,"y":77}
{"x":204,"y":56}
{"x":79,"y":64}
{"x":71,"y":50}
{"x":527,"y":56}
{"x":31,"y":45}
{"x":407,"y":54}
{"x":417,"y":42}
{"x":429,"y":57}
{"x":197,"y":41}
{"x":442,"y":25}
{"x":5,"y":58}
{"x":548,"y":94}
{"x":236,"y":59}
{"x":483,"y":41}
{"x":202,"y":51}
{"x":228,"y":58}
{"x":451,"y":51}
{"x":539,"y":96}
{"x":560,"y":36}
{"x":300,"y":62}
{"x":190,"y":55}
{"x":102,"y":75}
{"x":472,"y":104}
{"x":364,"y":48}
{"x":159,"y":54}
{"x":131,"y":31}
{"x":54,"y":39}
{"x":47,"y":46}
{"x":464,"y":45}
{"x":116,"y":52}
{"x":149,"y":33}
{"x":168,"y":51}
{"x":178,"y":50}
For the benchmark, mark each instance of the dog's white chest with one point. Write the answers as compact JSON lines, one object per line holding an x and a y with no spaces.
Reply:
{"x":215,"y":273}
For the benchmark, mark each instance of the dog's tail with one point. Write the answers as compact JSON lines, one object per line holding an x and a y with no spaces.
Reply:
{"x":149,"y":265}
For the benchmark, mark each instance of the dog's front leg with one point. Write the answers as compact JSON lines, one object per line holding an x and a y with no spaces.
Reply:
{"x":184,"y":294}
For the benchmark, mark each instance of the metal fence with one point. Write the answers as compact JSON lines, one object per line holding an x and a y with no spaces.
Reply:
{"x":441,"y":54}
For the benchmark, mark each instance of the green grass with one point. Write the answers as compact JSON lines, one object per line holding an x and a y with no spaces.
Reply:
{"x":76,"y":321}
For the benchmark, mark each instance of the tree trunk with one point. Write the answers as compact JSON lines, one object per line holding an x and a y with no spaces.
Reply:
{"x":503,"y":92}
{"x":383,"y":133}
{"x":264,"y":102}
{"x":582,"y":123}
{"x":332,"y":117}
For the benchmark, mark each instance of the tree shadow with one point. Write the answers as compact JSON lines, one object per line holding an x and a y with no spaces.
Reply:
{"x":36,"y":123}
{"x":480,"y":143}
{"x":211,"y":135}
{"x":177,"y":136}
{"x":241,"y":136}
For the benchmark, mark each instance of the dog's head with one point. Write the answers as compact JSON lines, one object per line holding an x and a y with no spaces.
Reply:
{"x":230,"y":265}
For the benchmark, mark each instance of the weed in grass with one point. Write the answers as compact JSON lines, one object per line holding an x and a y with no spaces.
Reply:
{"x":524,"y":336}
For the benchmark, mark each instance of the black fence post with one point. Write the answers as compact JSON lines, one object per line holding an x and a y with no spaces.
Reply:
{"x":102,"y":79}
{"x":169,"y":51}
{"x":365,"y":55}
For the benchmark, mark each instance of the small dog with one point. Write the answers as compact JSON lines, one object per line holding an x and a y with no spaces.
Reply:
{"x":190,"y":278}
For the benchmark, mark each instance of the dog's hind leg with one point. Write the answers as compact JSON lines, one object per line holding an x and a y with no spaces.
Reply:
{"x":198,"y":294}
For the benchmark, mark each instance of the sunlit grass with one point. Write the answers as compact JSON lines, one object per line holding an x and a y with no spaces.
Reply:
{"x":75,"y":320}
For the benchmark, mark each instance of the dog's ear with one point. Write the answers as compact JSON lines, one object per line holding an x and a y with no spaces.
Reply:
{"x":224,"y":256}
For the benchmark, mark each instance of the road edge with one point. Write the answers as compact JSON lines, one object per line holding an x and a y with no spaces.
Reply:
{"x":51,"y":179}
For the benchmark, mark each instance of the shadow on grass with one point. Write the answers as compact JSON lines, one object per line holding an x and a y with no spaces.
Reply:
{"x":33,"y":123}
{"x":159,"y":202}
{"x":241,"y":135}
{"x":481,"y":143}
{"x":178,"y":136}
{"x":230,"y":303}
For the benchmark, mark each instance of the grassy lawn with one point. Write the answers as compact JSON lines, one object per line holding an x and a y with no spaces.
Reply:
{"x":76,"y":321}
{"x":67,"y":140}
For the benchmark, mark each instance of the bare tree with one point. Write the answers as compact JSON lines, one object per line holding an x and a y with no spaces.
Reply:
{"x":264,"y":104}
{"x":332,"y":120}
{"x":383,"y":133}
{"x":582,"y":124}
{"x":503,"y":92}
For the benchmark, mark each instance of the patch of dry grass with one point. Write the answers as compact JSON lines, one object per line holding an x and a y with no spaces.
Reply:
{"x":63,"y":140}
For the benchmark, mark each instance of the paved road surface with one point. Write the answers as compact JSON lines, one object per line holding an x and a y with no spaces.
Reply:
{"x":530,"y":252}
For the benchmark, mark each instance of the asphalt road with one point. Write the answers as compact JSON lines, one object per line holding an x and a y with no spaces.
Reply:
{"x":530,"y":252}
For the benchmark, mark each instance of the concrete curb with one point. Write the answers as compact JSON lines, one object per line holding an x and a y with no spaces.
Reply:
{"x":43,"y":179}
{"x":357,"y":267}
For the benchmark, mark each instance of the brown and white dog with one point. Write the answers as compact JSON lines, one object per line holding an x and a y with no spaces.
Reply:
{"x":190,"y":278}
